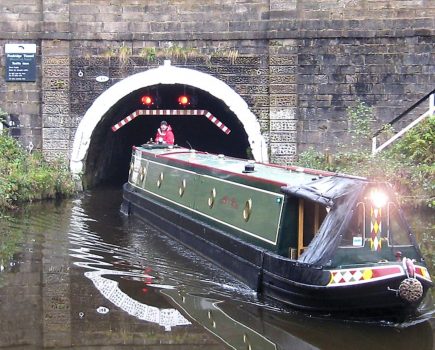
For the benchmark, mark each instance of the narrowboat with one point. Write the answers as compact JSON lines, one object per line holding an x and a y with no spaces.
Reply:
{"x":314,"y":240}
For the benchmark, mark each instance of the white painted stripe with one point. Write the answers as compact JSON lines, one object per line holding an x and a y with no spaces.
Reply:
{"x":179,"y":112}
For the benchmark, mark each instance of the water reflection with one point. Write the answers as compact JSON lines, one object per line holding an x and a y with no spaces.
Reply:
{"x":83,"y":275}
{"x":166,"y":317}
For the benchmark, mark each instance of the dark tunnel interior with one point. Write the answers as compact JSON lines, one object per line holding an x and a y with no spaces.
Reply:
{"x":110,"y":152}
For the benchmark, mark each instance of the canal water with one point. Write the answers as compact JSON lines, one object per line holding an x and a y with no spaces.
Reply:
{"x":77,"y":274}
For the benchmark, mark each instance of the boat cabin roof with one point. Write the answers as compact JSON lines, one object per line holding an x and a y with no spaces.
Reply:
{"x":262,"y":172}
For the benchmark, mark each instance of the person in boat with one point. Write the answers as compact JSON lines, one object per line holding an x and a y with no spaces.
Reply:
{"x":164,"y":134}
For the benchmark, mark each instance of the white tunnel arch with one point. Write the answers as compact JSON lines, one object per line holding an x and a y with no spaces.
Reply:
{"x":166,"y":74}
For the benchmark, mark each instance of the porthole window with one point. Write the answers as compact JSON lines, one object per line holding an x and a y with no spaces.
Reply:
{"x":182,"y":188}
{"x":247,"y":210}
{"x":212,"y":198}
{"x":160,"y":180}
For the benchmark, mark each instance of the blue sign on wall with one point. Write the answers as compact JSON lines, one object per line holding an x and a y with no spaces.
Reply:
{"x":20,"y":62}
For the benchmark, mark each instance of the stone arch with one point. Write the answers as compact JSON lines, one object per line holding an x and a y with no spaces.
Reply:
{"x":165,"y":74}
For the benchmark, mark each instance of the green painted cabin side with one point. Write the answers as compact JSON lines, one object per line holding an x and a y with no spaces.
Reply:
{"x":218,"y":191}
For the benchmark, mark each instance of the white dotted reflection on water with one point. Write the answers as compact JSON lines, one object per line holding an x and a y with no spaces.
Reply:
{"x":148,"y":257}
{"x":167,"y":317}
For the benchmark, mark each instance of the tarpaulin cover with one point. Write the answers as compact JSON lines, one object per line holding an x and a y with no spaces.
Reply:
{"x":338,"y":193}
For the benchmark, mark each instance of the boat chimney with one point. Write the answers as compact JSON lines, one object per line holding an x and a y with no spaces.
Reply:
{"x":249,"y":168}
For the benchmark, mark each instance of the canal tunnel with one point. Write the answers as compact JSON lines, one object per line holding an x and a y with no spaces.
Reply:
{"x":109,"y":151}
{"x":101,"y":155}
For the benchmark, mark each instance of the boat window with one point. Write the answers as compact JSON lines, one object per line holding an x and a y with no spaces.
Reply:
{"x":397,"y":230}
{"x":311,"y":216}
{"x":355,"y":234}
{"x":376,"y":232}
{"x":375,"y":228}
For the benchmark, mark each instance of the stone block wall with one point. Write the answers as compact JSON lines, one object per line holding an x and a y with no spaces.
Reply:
{"x":386,"y":73}
{"x":299,"y":65}
{"x":245,"y":71}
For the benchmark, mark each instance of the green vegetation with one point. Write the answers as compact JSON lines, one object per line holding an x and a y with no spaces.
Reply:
{"x":409,"y":164}
{"x":123,"y":53}
{"x":171,"y":52}
{"x":180,"y":53}
{"x":426,"y":241}
{"x":28,"y":177}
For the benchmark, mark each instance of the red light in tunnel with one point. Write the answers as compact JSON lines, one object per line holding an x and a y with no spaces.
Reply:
{"x":147,"y":100}
{"x":183,"y":100}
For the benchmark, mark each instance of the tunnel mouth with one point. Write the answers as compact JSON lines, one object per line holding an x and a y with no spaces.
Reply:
{"x":109,"y":152}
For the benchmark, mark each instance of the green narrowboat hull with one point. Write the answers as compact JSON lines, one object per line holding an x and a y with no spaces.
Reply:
{"x":243,"y":221}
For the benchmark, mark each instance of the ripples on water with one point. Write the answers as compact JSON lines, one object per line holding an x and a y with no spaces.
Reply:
{"x":79,"y":274}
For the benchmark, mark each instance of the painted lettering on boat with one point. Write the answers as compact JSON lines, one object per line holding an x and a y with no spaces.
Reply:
{"x":231,"y":201}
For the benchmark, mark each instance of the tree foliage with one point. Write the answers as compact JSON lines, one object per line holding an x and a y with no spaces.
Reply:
{"x":27,"y":177}
{"x":408,"y":165}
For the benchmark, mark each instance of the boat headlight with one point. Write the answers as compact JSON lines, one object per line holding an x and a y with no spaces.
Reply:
{"x":379,"y":199}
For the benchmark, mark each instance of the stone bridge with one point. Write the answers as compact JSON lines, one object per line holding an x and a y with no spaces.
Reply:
{"x":279,"y":73}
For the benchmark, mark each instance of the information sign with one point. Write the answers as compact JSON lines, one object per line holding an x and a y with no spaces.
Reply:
{"x":20,"y":62}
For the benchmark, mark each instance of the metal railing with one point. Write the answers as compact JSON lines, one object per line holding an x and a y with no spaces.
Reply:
{"x":429,"y":112}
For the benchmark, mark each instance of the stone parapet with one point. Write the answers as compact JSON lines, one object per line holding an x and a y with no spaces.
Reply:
{"x":257,"y":20}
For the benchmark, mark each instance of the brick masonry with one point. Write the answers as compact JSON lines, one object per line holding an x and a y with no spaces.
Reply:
{"x":299,"y":63}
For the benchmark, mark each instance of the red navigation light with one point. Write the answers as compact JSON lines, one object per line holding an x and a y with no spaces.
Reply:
{"x":184,"y":100}
{"x":147,"y":100}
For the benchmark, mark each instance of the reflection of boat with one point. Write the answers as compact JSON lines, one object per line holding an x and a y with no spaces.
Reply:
{"x":206,"y":312}
{"x":315,"y":240}
{"x":248,"y":326}
{"x":297,"y":331}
